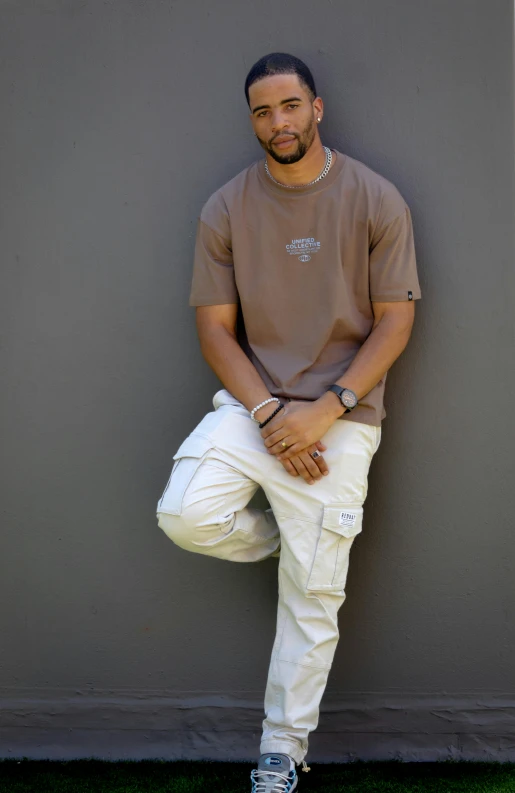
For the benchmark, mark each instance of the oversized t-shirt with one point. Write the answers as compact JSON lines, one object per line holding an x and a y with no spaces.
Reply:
{"x":305,"y":265}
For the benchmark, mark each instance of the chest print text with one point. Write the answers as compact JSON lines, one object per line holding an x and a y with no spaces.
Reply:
{"x":303,"y":248}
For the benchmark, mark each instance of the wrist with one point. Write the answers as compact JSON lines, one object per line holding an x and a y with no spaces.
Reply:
{"x":331,"y":404}
{"x":258,"y":412}
{"x":266,"y":411}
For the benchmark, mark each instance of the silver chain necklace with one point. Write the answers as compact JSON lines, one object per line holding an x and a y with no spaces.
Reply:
{"x":324,"y":172}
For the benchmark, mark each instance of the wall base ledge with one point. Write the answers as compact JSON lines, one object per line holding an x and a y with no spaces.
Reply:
{"x":137,"y":725}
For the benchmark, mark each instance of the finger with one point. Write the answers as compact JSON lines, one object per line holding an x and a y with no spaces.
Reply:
{"x":319,"y":461}
{"x":321,"y":446}
{"x":274,"y":437}
{"x":293,"y":450}
{"x":282,"y":446}
{"x":302,"y":470}
{"x":311,"y":465}
{"x":287,"y":465}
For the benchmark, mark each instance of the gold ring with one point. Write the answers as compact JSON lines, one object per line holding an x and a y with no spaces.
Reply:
{"x":284,"y":444}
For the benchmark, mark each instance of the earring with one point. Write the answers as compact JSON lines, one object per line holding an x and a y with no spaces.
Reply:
{"x":318,"y":119}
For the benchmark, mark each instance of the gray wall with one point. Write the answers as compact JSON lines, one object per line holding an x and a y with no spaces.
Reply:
{"x":120,"y":119}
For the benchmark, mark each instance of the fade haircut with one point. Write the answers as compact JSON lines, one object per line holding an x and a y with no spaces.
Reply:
{"x":280,"y":63}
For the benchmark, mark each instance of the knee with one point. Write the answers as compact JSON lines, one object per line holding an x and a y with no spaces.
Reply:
{"x":189,"y":530}
{"x":178,"y":529}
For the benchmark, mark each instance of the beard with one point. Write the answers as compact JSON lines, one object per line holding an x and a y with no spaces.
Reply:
{"x":304,"y":141}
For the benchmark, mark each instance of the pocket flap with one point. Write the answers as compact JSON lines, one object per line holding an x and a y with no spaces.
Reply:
{"x":344,"y":519}
{"x":195,"y":445}
{"x":188,"y":458}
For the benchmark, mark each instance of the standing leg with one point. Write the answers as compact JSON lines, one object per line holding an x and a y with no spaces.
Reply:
{"x":318,"y":524}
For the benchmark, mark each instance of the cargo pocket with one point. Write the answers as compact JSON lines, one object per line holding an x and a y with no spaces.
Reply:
{"x":187,"y":460}
{"x":340,"y":524}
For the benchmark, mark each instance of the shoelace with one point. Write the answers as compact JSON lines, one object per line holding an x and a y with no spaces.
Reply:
{"x":260,"y":787}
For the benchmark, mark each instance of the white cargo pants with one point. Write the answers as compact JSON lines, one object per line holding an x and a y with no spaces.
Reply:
{"x":203,"y":509}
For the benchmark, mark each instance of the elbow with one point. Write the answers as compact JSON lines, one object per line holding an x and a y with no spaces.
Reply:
{"x":396,"y":319}
{"x":405,"y":336}
{"x":397,"y":329}
{"x":403,"y":329}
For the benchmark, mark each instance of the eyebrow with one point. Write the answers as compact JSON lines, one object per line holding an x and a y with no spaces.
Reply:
{"x":284,"y":102}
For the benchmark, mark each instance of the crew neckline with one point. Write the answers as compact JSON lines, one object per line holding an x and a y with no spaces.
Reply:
{"x":278,"y":189}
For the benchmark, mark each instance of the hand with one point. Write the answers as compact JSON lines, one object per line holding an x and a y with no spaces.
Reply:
{"x":303,"y":464}
{"x":299,"y":425}
{"x":300,"y":465}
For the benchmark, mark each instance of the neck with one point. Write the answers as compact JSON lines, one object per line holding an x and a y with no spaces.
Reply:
{"x":304,"y":170}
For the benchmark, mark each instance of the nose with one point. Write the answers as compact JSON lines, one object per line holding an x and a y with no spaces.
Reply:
{"x":278,"y":122}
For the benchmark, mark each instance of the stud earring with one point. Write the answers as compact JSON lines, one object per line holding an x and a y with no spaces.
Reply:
{"x":318,"y":120}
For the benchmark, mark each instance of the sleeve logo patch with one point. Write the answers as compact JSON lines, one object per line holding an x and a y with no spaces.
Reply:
{"x":410,"y":295}
{"x":347,"y":519}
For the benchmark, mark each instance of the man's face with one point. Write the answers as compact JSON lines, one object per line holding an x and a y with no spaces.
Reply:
{"x":283,"y":117}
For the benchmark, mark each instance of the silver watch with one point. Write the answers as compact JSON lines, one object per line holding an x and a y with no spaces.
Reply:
{"x":348,"y":398}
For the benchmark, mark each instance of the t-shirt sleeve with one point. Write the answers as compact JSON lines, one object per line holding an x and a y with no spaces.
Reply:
{"x":213,"y":281}
{"x":392,"y":262}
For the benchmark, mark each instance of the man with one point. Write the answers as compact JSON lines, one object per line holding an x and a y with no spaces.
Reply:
{"x":304,"y":281}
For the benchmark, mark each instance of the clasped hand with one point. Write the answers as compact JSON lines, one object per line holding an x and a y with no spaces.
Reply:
{"x":300,"y":426}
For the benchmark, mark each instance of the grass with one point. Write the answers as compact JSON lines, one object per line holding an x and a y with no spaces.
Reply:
{"x":85,"y":776}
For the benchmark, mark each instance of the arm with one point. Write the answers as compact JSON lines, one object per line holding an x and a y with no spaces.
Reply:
{"x":389,"y":336}
{"x":216,"y":326}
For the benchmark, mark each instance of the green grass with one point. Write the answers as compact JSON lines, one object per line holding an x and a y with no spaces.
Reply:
{"x":85,"y":776}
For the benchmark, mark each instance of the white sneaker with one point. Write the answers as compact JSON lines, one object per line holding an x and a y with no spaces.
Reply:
{"x":275,"y":774}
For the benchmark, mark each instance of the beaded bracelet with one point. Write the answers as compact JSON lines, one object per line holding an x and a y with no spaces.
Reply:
{"x":276,"y":411}
{"x":262,"y":404}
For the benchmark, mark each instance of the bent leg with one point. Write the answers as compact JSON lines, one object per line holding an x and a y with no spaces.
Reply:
{"x":205,"y":511}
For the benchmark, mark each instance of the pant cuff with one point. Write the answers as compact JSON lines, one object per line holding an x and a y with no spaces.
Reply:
{"x":291,"y":748}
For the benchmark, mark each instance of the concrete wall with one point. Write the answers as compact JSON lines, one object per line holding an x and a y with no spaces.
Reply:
{"x":120,"y":119}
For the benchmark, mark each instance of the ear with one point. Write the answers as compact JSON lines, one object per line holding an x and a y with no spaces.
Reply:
{"x":318,"y":107}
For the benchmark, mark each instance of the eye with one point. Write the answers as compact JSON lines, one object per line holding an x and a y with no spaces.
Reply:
{"x":293,"y":106}
{"x":263,"y":112}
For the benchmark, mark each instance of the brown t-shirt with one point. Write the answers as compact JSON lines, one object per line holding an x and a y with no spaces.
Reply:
{"x":305,"y":266}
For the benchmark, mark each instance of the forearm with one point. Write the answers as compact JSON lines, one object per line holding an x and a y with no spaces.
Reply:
{"x":384,"y":345}
{"x":239,"y":376}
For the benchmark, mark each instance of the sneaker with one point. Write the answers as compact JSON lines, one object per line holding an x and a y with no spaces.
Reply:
{"x":275,"y":774}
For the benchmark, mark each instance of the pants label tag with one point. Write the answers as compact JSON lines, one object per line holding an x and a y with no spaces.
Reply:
{"x":347,"y":519}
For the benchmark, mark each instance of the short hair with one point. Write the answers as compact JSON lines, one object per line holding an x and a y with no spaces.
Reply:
{"x":280,"y":63}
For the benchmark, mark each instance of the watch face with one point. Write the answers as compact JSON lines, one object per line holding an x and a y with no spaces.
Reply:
{"x":349,"y":399}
